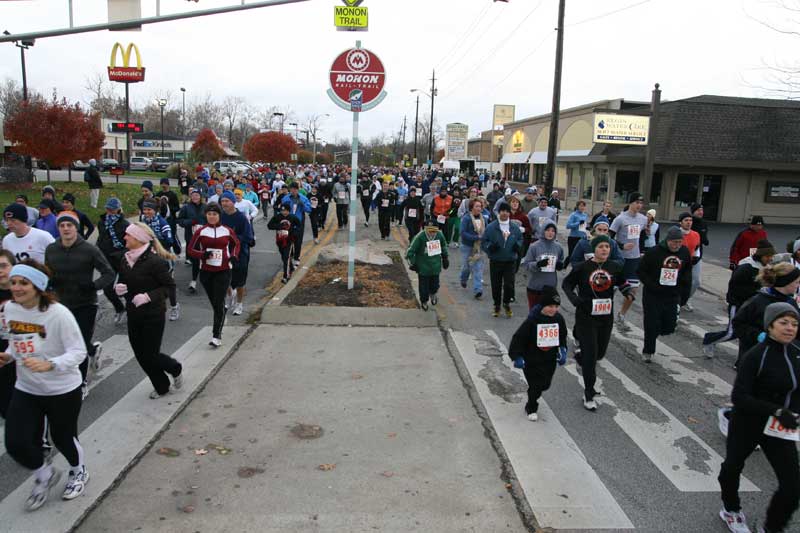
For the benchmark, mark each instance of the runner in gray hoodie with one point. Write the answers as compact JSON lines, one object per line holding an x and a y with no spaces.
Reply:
{"x":543,"y":259}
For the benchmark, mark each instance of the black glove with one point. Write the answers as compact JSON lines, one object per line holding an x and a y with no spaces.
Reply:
{"x":695,"y":260}
{"x":542,"y":263}
{"x":787,"y":418}
{"x":413,"y":267}
{"x":251,"y":244}
{"x":207,"y":254}
{"x":445,"y":262}
{"x":732,"y":266}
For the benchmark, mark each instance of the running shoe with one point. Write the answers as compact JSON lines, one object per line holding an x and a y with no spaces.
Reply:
{"x":533,"y":417}
{"x":708,"y":351}
{"x":478,"y":295}
{"x":687,"y":307}
{"x":215,"y":342}
{"x":509,"y":312}
{"x":175,"y":312}
{"x":589,"y":405}
{"x":736,"y":522}
{"x":366,"y":224}
{"x":84,"y":392}
{"x":434,"y":299}
{"x":155,"y":395}
{"x":238,"y":308}
{"x":41,"y":490}
{"x":647,"y":357}
{"x":284,"y":280}
{"x":193,"y":287}
{"x":296,"y":263}
{"x":463,"y":284}
{"x":177,"y":381}
{"x":722,"y":418}
{"x":76,"y":482}
{"x":316,"y":240}
{"x":119,"y":318}
{"x":621,"y":321}
{"x":496,"y":312}
{"x":98,"y":350}
{"x":187,"y":261}
{"x":424,"y":306}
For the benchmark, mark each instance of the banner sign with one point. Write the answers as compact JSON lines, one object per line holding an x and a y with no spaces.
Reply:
{"x":357,"y":78}
{"x":621,"y":129}
{"x":502,"y":114}
{"x":456,"y":136}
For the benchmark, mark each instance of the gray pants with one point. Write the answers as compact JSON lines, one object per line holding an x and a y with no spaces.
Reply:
{"x":697,"y":271}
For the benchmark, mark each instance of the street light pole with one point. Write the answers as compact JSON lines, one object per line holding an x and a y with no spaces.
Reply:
{"x":22,"y":49}
{"x":183,"y":125}
{"x":416,"y":129}
{"x":162,"y":104}
{"x":430,"y":129}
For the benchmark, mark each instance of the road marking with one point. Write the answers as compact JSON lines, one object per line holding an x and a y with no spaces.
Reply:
{"x":116,"y":352}
{"x":700,"y":332}
{"x":543,"y":454}
{"x":113,"y":441}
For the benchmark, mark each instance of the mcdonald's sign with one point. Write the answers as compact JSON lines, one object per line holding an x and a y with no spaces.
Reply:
{"x":125,"y":73}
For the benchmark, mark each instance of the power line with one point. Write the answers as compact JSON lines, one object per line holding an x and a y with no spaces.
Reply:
{"x":472,"y":25}
{"x":475,"y":41}
{"x":497,"y":48}
{"x":604,"y":15}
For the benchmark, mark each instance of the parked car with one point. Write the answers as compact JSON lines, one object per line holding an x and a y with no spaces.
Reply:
{"x":224,"y":166}
{"x":141,"y":163}
{"x":160,"y":164}
{"x":79,"y":165}
{"x":108,"y":164}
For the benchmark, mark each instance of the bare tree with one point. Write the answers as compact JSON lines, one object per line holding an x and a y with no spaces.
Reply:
{"x":231,"y":108}
{"x":203,"y":114}
{"x":313,"y":127}
{"x":782,"y":78}
{"x":10,"y":96}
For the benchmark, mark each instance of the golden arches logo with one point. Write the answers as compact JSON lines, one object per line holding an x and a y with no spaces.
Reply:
{"x":125,"y":73}
{"x":126,"y":55}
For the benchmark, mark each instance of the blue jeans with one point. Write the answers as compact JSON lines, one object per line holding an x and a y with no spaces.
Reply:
{"x":475,"y":268}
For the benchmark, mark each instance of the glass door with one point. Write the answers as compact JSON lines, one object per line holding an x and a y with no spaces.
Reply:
{"x":712,"y":192}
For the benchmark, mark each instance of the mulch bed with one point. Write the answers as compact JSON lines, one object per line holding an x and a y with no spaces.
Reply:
{"x":375,"y":286}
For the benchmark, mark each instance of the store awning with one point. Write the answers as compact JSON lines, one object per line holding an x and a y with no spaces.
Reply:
{"x":518,"y":158}
{"x":539,"y":158}
{"x":573,"y":153}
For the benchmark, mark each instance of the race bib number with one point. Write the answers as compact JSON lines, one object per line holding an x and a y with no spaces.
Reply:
{"x":365,"y":193}
{"x":547,"y":335}
{"x":412,"y":213}
{"x":588,"y":257}
{"x":342,"y":195}
{"x":441,"y":219}
{"x":775,"y":429}
{"x":601,"y":306}
{"x":215,"y":259}
{"x":265,"y":195}
{"x":325,"y":200}
{"x":542,"y":220}
{"x":434,"y":248}
{"x":669,"y":277}
{"x":384,"y":203}
{"x":283,"y":233}
{"x":634,"y":230}
{"x":314,"y":203}
{"x":551,"y":263}
{"x":24,"y":345}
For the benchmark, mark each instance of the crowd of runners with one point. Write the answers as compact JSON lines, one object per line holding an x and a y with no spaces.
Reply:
{"x":49,"y":292}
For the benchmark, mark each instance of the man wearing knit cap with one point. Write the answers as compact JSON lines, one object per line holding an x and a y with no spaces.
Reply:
{"x":22,"y":240}
{"x":111,"y":241}
{"x":47,"y":218}
{"x":666,"y":274}
{"x":170,"y":205}
{"x":73,"y":261}
{"x":147,"y":193}
{"x":745,"y":243}
{"x":85,"y":226}
{"x":92,"y":178}
{"x":692,"y":241}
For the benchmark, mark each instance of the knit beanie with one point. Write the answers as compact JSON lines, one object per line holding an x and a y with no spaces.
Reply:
{"x":600,"y":239}
{"x":16,"y":211}
{"x":151,"y":204}
{"x":683,"y":215}
{"x":549,"y":297}
{"x":68,"y":216}
{"x":147,"y":184}
{"x":601,"y":220}
{"x":164,"y":181}
{"x":113,"y":203}
{"x":674,"y":234}
{"x":777,"y":310}
{"x":229,"y":195}
{"x":694,"y":207}
{"x":764,"y":248}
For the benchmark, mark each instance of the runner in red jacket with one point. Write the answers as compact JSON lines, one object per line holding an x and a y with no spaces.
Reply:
{"x":745,"y":244}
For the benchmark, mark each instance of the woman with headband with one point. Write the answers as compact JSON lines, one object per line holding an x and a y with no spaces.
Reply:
{"x":45,"y":343}
{"x":145,"y":282}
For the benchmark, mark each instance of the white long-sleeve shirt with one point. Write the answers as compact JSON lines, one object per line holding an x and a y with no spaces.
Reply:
{"x":52,"y":335}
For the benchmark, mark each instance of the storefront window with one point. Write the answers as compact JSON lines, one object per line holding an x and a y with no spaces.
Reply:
{"x":686,"y":189}
{"x":572,"y":185}
{"x":655,"y":188}
{"x":519,"y":172}
{"x":538,"y":174}
{"x":602,"y":184}
{"x":627,"y":182}
{"x":587,"y":181}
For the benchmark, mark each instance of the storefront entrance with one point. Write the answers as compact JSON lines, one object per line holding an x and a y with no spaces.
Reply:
{"x":699,"y":188}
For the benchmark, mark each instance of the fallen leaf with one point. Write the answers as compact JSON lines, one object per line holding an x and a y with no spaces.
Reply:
{"x":357,"y":376}
{"x":168,"y":452}
{"x":249,"y":471}
{"x":187,"y":508}
{"x":392,"y":435}
{"x":693,"y":420}
{"x":387,"y":474}
{"x":201,"y":451}
{"x":326,"y":467}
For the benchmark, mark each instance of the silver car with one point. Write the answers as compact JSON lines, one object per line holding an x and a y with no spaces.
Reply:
{"x":140,"y":163}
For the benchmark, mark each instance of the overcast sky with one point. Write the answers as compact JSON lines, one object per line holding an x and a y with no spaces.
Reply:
{"x":281,"y":55}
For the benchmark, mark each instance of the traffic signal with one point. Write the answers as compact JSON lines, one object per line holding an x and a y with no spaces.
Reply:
{"x":123,"y":127}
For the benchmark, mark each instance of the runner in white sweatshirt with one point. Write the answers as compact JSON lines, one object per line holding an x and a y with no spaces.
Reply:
{"x":45,"y":343}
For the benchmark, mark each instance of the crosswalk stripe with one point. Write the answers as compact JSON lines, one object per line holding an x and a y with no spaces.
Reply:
{"x":111,"y":444}
{"x":116,"y":352}
{"x":700,"y":332}
{"x":544,"y":451}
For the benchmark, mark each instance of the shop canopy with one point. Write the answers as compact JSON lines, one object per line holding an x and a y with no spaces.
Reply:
{"x":518,"y":158}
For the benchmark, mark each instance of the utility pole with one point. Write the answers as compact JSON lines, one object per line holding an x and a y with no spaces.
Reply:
{"x":403,"y":145}
{"x":416,"y":128}
{"x":430,"y":129}
{"x":183,"y":125}
{"x":549,"y":172}
{"x":646,"y":182}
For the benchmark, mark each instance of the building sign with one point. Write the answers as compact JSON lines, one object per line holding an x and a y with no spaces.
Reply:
{"x":351,"y":16}
{"x":503,"y":114}
{"x":517,"y":140}
{"x":782,"y":192}
{"x":356,"y":80}
{"x":456,"y":135}
{"x":126,"y":73}
{"x":621,"y":129}
{"x":151,"y":144}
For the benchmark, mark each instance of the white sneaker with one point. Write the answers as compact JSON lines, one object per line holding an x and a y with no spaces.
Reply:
{"x":736,"y":522}
{"x":647,"y":357}
{"x":155,"y":395}
{"x":95,"y":361}
{"x":192,"y":286}
{"x":177,"y":381}
{"x":687,"y":307}
{"x":590,"y":405}
{"x":215,"y":342}
{"x":723,"y":420}
{"x":296,"y":263}
{"x":84,"y":392}
{"x":41,"y":491}
{"x":119,"y":318}
{"x":238,"y":308}
{"x":621,"y":321}
{"x":708,"y":351}
{"x":175,"y":312}
{"x":316,"y":241}
{"x":187,"y":261}
{"x":533,"y":417}
{"x":76,"y":482}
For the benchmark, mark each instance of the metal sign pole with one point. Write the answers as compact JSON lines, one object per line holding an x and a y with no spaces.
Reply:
{"x":351,"y":255}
